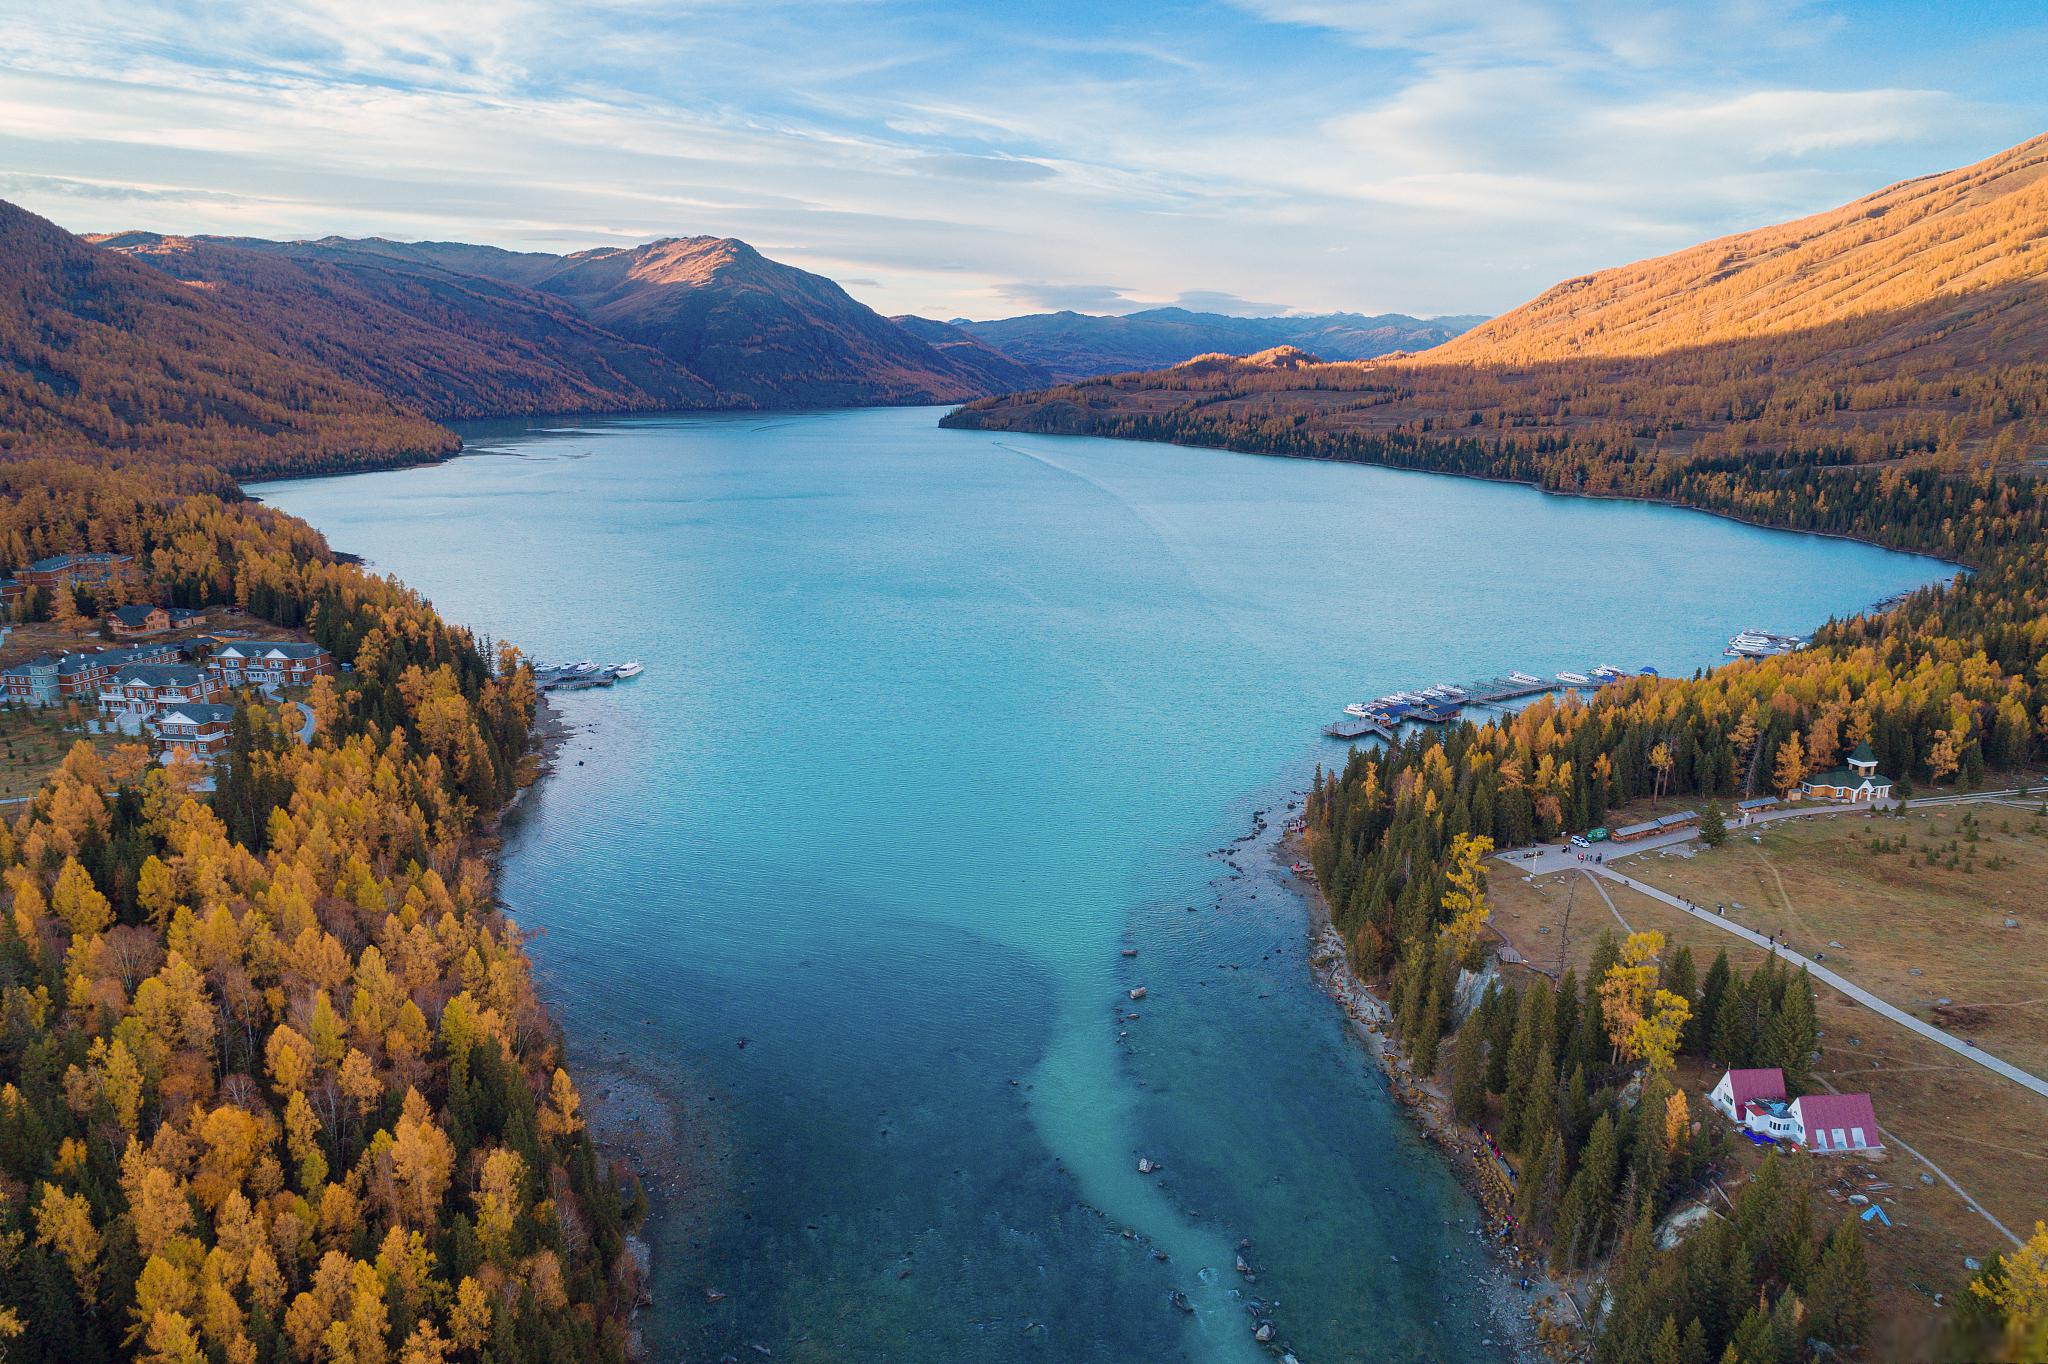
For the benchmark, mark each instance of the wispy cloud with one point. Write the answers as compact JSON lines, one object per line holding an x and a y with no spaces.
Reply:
{"x":1419,"y":155}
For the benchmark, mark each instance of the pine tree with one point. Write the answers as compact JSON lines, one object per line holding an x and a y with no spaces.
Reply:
{"x":1542,"y":1189}
{"x":1680,"y":976}
{"x":1794,"y":1033}
{"x":1468,"y":1071}
{"x":1666,"y":1348}
{"x":1713,"y":826}
{"x":1699,"y":1029}
{"x":1429,"y":1024}
{"x":1588,"y":1204}
{"x":1838,"y":1292}
{"x":1539,"y":1108}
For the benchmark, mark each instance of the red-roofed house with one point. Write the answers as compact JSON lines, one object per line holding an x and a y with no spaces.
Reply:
{"x":1738,"y":1089}
{"x":1754,"y":1100}
{"x":1836,"y":1122}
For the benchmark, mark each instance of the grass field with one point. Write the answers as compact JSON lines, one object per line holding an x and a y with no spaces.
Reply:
{"x":1987,"y":1133}
{"x":32,"y":743}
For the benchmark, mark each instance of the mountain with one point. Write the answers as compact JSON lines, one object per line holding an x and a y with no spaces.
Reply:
{"x":771,"y":334}
{"x":458,"y":330}
{"x":423,"y":330}
{"x":100,"y":353}
{"x":1072,"y":345}
{"x":998,"y":373}
{"x":1909,"y":325}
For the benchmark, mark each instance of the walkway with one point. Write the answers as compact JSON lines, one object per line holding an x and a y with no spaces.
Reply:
{"x":1847,"y":987}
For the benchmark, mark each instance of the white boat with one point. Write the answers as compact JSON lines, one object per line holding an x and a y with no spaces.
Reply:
{"x":632,"y":669}
{"x":1525,"y":679}
{"x":1575,"y":679}
{"x":1361,"y":709}
{"x":1606,"y":670}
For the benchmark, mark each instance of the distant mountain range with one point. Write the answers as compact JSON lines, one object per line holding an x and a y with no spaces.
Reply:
{"x":1069,"y":345}
{"x":345,"y":353}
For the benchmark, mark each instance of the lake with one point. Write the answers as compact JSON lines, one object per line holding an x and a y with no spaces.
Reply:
{"x":831,"y":901}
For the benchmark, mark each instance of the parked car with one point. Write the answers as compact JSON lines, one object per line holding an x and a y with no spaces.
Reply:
{"x":1579,"y":841}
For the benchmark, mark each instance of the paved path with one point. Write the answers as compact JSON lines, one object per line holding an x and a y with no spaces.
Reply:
{"x":1847,"y":987}
{"x":1896,"y":1140}
{"x":1544,"y":858}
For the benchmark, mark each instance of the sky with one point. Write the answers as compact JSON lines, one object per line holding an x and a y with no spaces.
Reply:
{"x":987,"y":159}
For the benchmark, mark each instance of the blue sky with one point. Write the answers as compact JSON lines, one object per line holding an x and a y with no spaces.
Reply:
{"x":1422,"y":156}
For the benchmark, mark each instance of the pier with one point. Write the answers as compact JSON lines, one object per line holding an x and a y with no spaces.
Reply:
{"x":1358,"y":727}
{"x":1445,"y":703}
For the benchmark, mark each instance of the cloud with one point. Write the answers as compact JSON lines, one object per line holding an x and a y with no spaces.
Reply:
{"x":998,"y":169}
{"x":1080,"y":298}
{"x":1399,"y":155}
{"x":1218,"y":301}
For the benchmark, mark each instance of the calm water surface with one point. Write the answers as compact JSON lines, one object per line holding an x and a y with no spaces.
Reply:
{"x":831,"y":900}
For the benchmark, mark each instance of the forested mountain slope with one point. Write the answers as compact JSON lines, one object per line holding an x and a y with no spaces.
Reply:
{"x":102,"y":355}
{"x":449,"y":343}
{"x":779,"y":336}
{"x":1912,"y":323}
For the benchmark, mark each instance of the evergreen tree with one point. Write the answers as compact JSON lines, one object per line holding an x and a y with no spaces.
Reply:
{"x":1539,"y":1108}
{"x":1794,"y":1034}
{"x":1699,"y":1029}
{"x":1428,"y":1031}
{"x":1468,"y":1071}
{"x":1838,"y":1293}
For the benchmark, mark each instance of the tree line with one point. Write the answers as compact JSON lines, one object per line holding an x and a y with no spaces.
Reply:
{"x":275,"y":1082}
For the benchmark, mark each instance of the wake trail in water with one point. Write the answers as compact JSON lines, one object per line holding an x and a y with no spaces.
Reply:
{"x":1169,"y":540}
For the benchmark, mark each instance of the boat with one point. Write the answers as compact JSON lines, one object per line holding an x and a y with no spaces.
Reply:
{"x":1362,"y":709}
{"x":624,"y":670}
{"x":1755,"y":643}
{"x":1525,"y":679}
{"x":1575,"y":679}
{"x":1606,"y":671}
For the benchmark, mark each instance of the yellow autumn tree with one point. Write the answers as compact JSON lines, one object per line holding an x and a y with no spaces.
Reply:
{"x":1464,"y":899}
{"x":1626,"y":988}
{"x":1791,"y":765}
{"x":2019,"y":1290}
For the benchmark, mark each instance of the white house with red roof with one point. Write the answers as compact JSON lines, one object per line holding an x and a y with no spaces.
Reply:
{"x":1755,"y":1101}
{"x":1836,"y":1122}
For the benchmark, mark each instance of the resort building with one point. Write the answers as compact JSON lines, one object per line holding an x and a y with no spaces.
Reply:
{"x":127,"y":622}
{"x":1858,"y":781}
{"x":198,"y":731}
{"x":74,"y":570}
{"x":1746,"y":809}
{"x":1755,"y":1101}
{"x":141,"y":690}
{"x":270,"y":663}
{"x":13,"y":591}
{"x":52,"y":679}
{"x":1649,"y":828}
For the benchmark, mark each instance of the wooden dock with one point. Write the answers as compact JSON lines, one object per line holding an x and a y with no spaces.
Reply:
{"x":1494,"y":690}
{"x":1491,"y":691}
{"x":1356,"y":727}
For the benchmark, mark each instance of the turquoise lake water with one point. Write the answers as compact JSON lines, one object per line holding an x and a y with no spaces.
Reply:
{"x":830,"y":902}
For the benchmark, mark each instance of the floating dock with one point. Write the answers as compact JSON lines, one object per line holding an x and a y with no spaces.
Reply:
{"x":1444,"y":703}
{"x":1357,"y":727}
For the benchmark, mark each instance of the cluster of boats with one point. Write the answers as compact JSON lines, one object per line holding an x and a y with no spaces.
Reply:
{"x":1604,"y":675}
{"x":580,"y":675}
{"x":1762,"y":644}
{"x":1402,"y":705}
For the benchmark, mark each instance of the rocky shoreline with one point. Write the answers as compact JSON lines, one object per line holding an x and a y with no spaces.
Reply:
{"x":1547,"y":1302}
